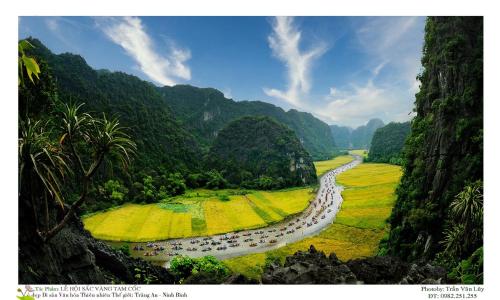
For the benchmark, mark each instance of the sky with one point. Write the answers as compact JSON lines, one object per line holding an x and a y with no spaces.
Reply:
{"x":343,"y":70}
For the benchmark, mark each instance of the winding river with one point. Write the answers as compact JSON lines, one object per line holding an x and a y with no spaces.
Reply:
{"x":317,"y":216}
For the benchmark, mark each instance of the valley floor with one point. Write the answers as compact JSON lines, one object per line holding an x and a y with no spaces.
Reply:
{"x":367,"y":201}
{"x":203,"y":212}
{"x":319,"y":214}
{"x":358,"y":228}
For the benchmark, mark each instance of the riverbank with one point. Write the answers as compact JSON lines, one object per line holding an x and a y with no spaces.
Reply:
{"x":368,"y":198}
{"x":319,"y":215}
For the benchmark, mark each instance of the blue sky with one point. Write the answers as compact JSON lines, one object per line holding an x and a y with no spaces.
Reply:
{"x":344,"y":70}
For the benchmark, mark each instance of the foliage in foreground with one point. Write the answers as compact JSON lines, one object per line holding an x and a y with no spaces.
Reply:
{"x":60,"y":144}
{"x":206,"y":266}
{"x":464,"y":229}
{"x":470,"y":270}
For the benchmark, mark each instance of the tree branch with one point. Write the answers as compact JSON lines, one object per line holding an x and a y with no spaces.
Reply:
{"x":75,"y":154}
{"x":52,"y":232}
{"x":86,"y":180}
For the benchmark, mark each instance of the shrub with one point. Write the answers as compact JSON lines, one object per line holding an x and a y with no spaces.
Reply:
{"x":174,"y":184}
{"x":215,"y":180}
{"x":182,"y":266}
{"x":224,"y":197}
{"x":470,"y":270}
{"x":149,"y":191}
{"x":272,"y":259}
{"x":196,"y":180}
{"x":265,"y":183}
{"x":125,"y":249}
{"x":209,"y":266}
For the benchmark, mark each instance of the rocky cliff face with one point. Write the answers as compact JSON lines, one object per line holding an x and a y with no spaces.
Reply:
{"x":444,"y":151}
{"x":313,"y":267}
{"x":75,"y":257}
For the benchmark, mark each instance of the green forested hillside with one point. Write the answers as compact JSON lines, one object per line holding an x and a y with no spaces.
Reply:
{"x":387,"y":143}
{"x":359,"y":138}
{"x":439,"y":206}
{"x":161,"y":141}
{"x":204,"y":111}
{"x":258,"y":152}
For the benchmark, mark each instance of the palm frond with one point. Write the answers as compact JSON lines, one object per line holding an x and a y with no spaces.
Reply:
{"x":42,"y":158}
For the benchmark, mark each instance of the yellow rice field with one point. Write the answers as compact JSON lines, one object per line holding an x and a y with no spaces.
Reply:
{"x":233,"y":215}
{"x":361,"y":152}
{"x":326,"y":165}
{"x":358,"y":228}
{"x":201,"y":212}
{"x":197,"y":213}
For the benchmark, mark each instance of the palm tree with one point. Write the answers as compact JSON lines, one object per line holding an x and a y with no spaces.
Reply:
{"x":103,"y":137}
{"x":42,"y":166}
{"x":49,"y":163}
{"x":467,"y":207}
{"x":465,"y":230}
{"x":48,"y":154}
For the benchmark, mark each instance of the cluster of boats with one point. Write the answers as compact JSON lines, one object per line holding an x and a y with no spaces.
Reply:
{"x":327,"y":203}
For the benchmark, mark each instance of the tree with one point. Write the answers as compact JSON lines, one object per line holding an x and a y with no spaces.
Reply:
{"x":184,"y":267}
{"x":42,"y":166}
{"x":26,"y":64}
{"x":84,"y":142}
{"x":174,"y":184}
{"x":464,"y":231}
{"x":114,"y":191}
{"x":149,"y":190}
{"x":387,"y":143}
{"x":215,"y":180}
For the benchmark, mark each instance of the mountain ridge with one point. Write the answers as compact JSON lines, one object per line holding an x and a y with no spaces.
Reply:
{"x":208,"y":111}
{"x":355,"y":138}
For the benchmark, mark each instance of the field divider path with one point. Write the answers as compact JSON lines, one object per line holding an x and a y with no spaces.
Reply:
{"x":319,"y":215}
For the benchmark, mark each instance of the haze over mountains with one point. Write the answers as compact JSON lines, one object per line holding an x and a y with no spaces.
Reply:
{"x":359,"y":138}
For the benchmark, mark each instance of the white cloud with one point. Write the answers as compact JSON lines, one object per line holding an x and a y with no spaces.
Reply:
{"x":379,"y":68}
{"x":356,"y":105}
{"x":333,"y":91}
{"x":130,"y":34}
{"x":390,"y":44}
{"x":52,"y":24}
{"x":285,"y":44}
{"x":61,"y":31}
{"x":394,"y":43}
{"x":227,"y":93}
